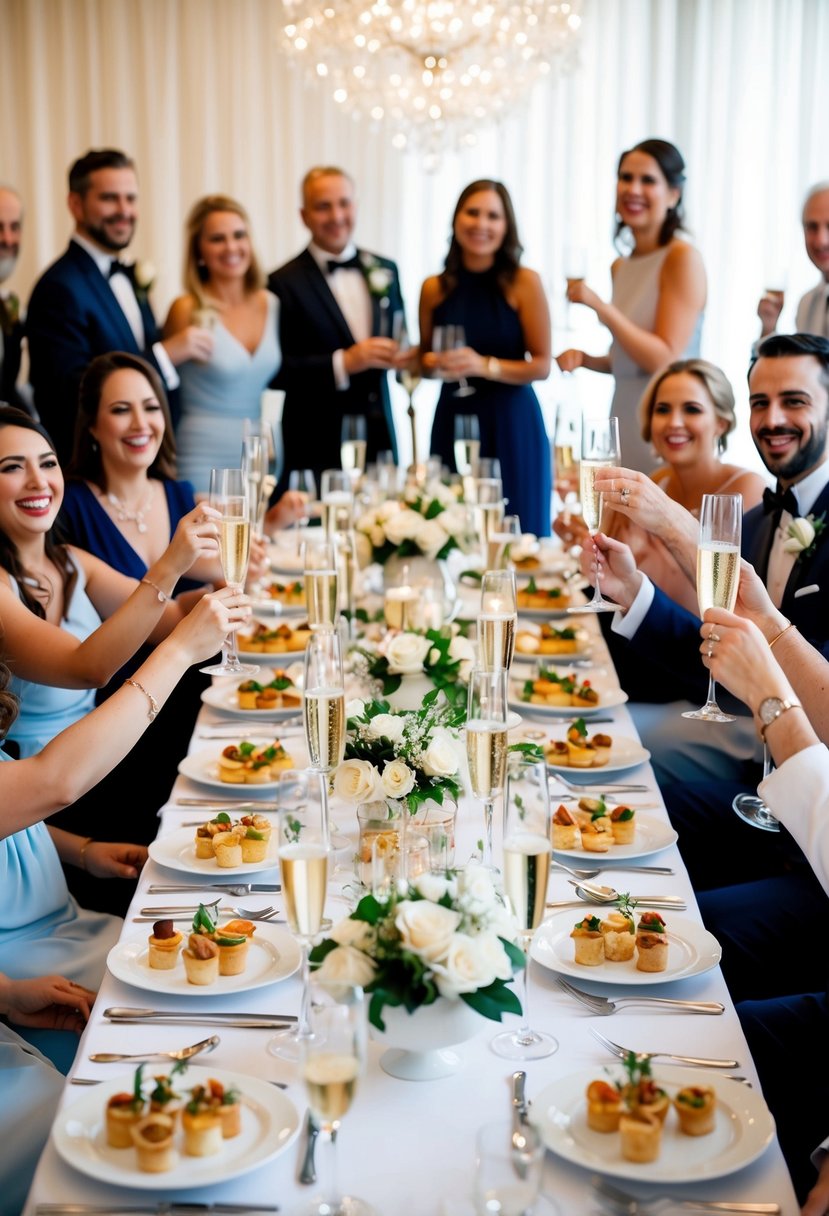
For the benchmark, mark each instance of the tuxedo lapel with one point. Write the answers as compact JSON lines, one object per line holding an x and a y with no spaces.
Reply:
{"x":757,"y":537}
{"x":101,"y":290}
{"x":803,"y":571}
{"x":319,"y":288}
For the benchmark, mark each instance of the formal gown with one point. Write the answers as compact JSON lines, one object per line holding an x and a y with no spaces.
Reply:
{"x":217,"y":395}
{"x":636,"y":295}
{"x":509,"y":415}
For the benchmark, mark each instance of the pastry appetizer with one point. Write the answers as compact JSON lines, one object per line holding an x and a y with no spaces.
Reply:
{"x":291,"y":594}
{"x":254,"y":846}
{"x":604,"y":1106}
{"x":563,"y":691}
{"x":233,"y":951}
{"x":153,"y":1140}
{"x":282,"y":640}
{"x":566,"y":834}
{"x":227,"y":850}
{"x":622,"y":824}
{"x":279,"y":693}
{"x":596,"y":836}
{"x":163,"y":1098}
{"x":247,"y":764}
{"x":696,"y":1106}
{"x":201,"y":960}
{"x":549,"y":640}
{"x":588,"y":941}
{"x":202,"y":1123}
{"x":641,"y":1136}
{"x":557,"y":753}
{"x":227,"y":1102}
{"x":533,"y":596}
{"x":651,"y":943}
{"x":260,"y":822}
{"x":165,"y":943}
{"x":208,"y":831}
{"x":124,"y":1110}
{"x":619,"y":936}
{"x":601,"y":747}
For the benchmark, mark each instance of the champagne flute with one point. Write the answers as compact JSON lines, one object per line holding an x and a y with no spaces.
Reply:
{"x":489,"y":509}
{"x":527,"y":851}
{"x":333,"y":1061}
{"x":486,"y":744}
{"x":452,"y":337}
{"x":508,"y":530}
{"x":496,"y":620}
{"x":337,"y":494}
{"x":353,"y":446}
{"x":718,"y":574}
{"x":575,"y":271}
{"x":566,"y":451}
{"x":320,"y":574}
{"x":409,"y":376}
{"x":467,"y":447}
{"x":323,"y":714}
{"x":599,"y":450}
{"x":304,"y":483}
{"x":228,"y":495}
{"x":752,"y":808}
{"x":303,"y":862}
{"x":255,"y":469}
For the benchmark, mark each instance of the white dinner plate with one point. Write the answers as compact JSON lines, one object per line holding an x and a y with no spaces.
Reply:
{"x":524,"y":626}
{"x":692,"y":950}
{"x":258,"y":656}
{"x":610,"y":697}
{"x":265,"y":606}
{"x":270,"y":1122}
{"x":273,"y":955}
{"x":204,"y":767}
{"x":743,"y":1129}
{"x":223,"y":697}
{"x":652,"y":836}
{"x":177,"y":851}
{"x":624,"y":754}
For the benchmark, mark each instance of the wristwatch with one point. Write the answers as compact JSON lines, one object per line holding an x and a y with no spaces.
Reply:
{"x":770,"y":710}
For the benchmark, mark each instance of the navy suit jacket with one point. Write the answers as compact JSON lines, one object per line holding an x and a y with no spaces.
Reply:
{"x":670,"y":635}
{"x":311,"y":328}
{"x":73,"y":316}
{"x":10,"y":366}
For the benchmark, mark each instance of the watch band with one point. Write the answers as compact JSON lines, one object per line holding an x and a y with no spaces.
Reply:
{"x":784,"y":705}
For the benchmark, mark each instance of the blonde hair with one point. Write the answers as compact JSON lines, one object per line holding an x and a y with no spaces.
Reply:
{"x":713,"y":380}
{"x":195,"y":277}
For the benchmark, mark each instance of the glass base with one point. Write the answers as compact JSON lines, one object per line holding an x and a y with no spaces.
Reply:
{"x":229,"y":669}
{"x":286,"y":1045}
{"x":344,"y":1205}
{"x":601,"y":605}
{"x":754,"y":811}
{"x":465,"y":390}
{"x":512,"y":1045}
{"x":709,"y":713}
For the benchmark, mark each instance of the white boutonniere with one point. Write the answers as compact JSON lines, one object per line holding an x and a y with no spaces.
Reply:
{"x":803,"y":534}
{"x":144,"y":273}
{"x":378,"y":277}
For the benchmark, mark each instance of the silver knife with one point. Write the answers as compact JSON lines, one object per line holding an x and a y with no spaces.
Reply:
{"x":114,"y":1208}
{"x":229,"y":887}
{"x":224,"y":804}
{"x":645,"y":903}
{"x":120,"y":1013}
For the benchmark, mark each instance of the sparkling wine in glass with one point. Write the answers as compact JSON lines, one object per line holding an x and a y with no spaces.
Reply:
{"x":452,"y":337}
{"x":323,"y":713}
{"x":467,"y":444}
{"x":320,"y":574}
{"x":718,"y":574}
{"x":353,"y":446}
{"x":303,"y":862}
{"x":337,"y":494}
{"x":496,"y":620}
{"x":527,"y":849}
{"x":509,"y":530}
{"x":486,"y":745}
{"x":599,"y":451}
{"x":228,"y":494}
{"x":489,"y":510}
{"x":304,"y":483}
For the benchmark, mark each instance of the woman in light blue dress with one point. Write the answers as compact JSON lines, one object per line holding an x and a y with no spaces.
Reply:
{"x":224,"y":293}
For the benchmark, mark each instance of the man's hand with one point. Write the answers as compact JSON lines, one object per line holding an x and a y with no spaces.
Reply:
{"x":193,"y":342}
{"x":769,"y":309}
{"x":48,"y":1002}
{"x":620,"y":580}
{"x":371,"y":352}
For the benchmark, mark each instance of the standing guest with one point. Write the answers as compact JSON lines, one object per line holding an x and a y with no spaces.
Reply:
{"x":88,"y":302}
{"x":813,"y":309}
{"x":503,"y":310}
{"x":659,"y":289}
{"x":225,"y":293}
{"x":337,"y":320}
{"x":11,"y":324}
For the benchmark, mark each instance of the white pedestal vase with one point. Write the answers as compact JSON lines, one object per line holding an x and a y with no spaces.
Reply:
{"x":420,"y":1043}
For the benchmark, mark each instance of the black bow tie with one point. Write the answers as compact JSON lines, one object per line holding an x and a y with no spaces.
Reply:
{"x":349,"y":264}
{"x":775,"y":503}
{"x":127,"y":268}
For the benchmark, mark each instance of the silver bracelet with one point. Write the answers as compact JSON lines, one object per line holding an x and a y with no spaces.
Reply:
{"x":155,"y":708}
{"x":162,"y":598}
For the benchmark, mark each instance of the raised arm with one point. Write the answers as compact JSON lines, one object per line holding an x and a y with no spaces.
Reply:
{"x":639,"y":498}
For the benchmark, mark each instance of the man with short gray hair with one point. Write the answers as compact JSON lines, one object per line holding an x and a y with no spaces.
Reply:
{"x":813,"y":309}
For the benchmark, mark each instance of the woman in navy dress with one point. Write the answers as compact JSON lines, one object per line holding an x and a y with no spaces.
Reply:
{"x":503,"y":310}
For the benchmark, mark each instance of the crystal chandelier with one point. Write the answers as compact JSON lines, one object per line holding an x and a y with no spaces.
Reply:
{"x":432,"y":71}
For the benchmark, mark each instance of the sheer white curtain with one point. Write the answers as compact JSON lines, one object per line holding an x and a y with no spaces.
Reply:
{"x":199,"y":93}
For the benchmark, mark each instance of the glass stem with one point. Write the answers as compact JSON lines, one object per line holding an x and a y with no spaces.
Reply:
{"x":330,"y":1187}
{"x":488,"y":832}
{"x":326,"y":826}
{"x":303,"y":1030}
{"x":711,"y":703}
{"x":767,"y":764}
{"x":525,"y":1035}
{"x":232,"y":657}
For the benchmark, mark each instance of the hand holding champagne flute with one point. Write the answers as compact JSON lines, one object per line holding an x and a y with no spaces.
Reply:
{"x":486,"y":744}
{"x":718,"y":575}
{"x":599,"y":450}
{"x":228,"y":494}
{"x":496,"y":621}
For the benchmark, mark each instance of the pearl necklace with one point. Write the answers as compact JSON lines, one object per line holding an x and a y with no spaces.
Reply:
{"x":125,"y":515}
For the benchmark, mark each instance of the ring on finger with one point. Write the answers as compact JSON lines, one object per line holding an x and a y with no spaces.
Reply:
{"x":624,"y":494}
{"x":710,"y":650}
{"x":713,"y":637}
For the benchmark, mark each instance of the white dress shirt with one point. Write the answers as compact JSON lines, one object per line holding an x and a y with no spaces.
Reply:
{"x":781,"y":563}
{"x":350,"y":289}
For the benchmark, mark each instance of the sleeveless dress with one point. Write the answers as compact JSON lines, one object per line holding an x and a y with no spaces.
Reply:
{"x":217,"y":395}
{"x":512,"y":427}
{"x":636,"y":294}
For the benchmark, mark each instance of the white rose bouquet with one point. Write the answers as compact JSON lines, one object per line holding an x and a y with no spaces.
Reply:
{"x":429,"y":520}
{"x":444,"y":655}
{"x":411,"y":757}
{"x":447,"y":936}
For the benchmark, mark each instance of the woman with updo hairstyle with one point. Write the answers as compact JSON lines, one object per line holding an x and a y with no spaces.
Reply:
{"x":659,"y":288}
{"x":225,"y":293}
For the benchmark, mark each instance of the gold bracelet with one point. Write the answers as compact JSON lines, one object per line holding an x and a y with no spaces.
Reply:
{"x":82,"y":855}
{"x":162,"y":597}
{"x":155,"y":708}
{"x":778,"y":636}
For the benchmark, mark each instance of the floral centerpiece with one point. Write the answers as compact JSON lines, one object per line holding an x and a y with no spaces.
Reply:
{"x":445,"y":936}
{"x":444,"y":656}
{"x":429,"y":520}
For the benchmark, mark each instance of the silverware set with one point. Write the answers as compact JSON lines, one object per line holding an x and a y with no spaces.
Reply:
{"x":604,"y":1005}
{"x":622,"y":1203}
{"x":249,"y":1021}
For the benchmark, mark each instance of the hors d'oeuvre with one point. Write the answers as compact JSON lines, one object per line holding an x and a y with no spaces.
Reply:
{"x":206,"y":833}
{"x":623,"y":824}
{"x":247,"y":764}
{"x":124,"y":1110}
{"x":604,"y":1106}
{"x":234,"y":946}
{"x":201,"y":960}
{"x":291,"y":594}
{"x":549,"y":640}
{"x":165,"y":943}
{"x":229,"y":1105}
{"x":619,"y":935}
{"x":602,"y":745}
{"x":202,"y":1123}
{"x":696,"y":1106}
{"x":282,"y":640}
{"x":153,"y":1140}
{"x":566,"y":834}
{"x":557,"y":753}
{"x":533,"y":596}
{"x":163,"y":1098}
{"x":261,"y":823}
{"x":278,"y":693}
{"x":641,"y":1093}
{"x":640,"y":1136}
{"x":588,"y":941}
{"x":651,"y":943}
{"x":227,"y":849}
{"x":596,"y":836}
{"x":254,"y":846}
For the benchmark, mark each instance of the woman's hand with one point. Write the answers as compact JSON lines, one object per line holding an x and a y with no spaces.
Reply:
{"x":48,"y":1002}
{"x":464,"y":361}
{"x":754,"y":603}
{"x":572,"y":529}
{"x":738,"y":657}
{"x":620,"y":579}
{"x":203,"y":630}
{"x":195,"y":537}
{"x":579,"y":293}
{"x":113,"y":859}
{"x":570,"y":360}
{"x":292,"y":506}
{"x":640,"y":499}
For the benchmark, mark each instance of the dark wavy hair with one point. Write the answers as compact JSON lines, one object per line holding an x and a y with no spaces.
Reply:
{"x":506,"y":258}
{"x":8,"y":701}
{"x":55,"y":551}
{"x":669,"y":159}
{"x":80,"y":172}
{"x":86,"y":463}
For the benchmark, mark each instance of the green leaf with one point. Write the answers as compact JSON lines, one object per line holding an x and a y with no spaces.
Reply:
{"x":514,"y":953}
{"x":369,"y":910}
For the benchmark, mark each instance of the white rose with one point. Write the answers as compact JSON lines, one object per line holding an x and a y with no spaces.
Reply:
{"x":354,"y":933}
{"x":405,"y":653}
{"x":440,"y":759}
{"x":465,"y":968}
{"x":145,"y":273}
{"x":397,"y":779}
{"x":426,"y":928}
{"x":477,"y":888}
{"x":435,"y":886}
{"x":348,"y":965}
{"x":377,"y":536}
{"x":366,"y":522}
{"x":357,"y":781}
{"x":402,"y":526}
{"x":494,"y":954}
{"x":462,"y":651}
{"x":379,"y":279}
{"x":362,"y":549}
{"x":387,"y":509}
{"x":355,"y":708}
{"x":455,"y":519}
{"x":801,"y":535}
{"x":388,"y":726}
{"x":431,"y":537}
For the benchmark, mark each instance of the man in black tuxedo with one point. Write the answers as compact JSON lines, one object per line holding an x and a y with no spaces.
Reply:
{"x":11,"y":325}
{"x":89,"y":303}
{"x":340,"y":308}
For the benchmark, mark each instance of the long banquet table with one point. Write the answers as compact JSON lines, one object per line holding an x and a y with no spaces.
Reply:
{"x":408,"y":1147}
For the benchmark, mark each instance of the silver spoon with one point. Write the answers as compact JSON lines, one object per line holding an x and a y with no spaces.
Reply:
{"x":184,"y":1053}
{"x":595,"y":893}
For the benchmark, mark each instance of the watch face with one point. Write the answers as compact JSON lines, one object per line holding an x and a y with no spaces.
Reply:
{"x":770,"y":709}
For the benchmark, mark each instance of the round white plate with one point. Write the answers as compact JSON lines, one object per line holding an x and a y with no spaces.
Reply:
{"x":223,"y":697}
{"x":204,"y":768}
{"x":652,"y":836}
{"x":177,"y":851}
{"x":273,"y":956}
{"x":692,"y":951}
{"x":624,"y":754}
{"x":743,"y":1130}
{"x":258,"y":656}
{"x":560,"y":660}
{"x":265,"y":606}
{"x":610,"y":698}
{"x":270,"y":1122}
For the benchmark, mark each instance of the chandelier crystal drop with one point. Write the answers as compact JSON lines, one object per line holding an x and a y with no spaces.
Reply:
{"x":432,"y":71}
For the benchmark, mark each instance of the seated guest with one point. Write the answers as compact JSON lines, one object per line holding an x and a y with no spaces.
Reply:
{"x":813,"y":309}
{"x":502,"y":311}
{"x":226,"y":294}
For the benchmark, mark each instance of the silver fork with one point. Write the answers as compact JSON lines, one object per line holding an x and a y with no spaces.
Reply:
{"x":604,"y":1006}
{"x":622,"y":1203}
{"x":578,"y":872}
{"x":154,"y":914}
{"x":576,"y":788}
{"x":616,"y":1049}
